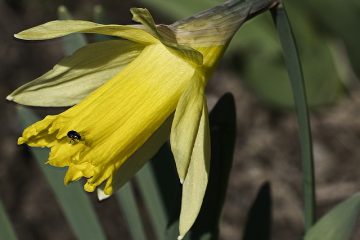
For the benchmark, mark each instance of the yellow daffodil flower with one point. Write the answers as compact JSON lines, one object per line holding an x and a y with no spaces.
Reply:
{"x":130,"y":94}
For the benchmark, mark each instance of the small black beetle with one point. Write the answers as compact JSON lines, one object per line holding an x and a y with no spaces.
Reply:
{"x":74,"y":136}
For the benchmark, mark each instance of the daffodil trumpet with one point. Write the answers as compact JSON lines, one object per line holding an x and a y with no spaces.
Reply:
{"x":130,"y":94}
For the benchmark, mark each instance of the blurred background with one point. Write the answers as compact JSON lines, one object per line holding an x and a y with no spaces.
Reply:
{"x":267,"y":147}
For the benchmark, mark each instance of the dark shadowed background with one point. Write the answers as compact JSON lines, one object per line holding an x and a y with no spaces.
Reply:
{"x":267,"y":146}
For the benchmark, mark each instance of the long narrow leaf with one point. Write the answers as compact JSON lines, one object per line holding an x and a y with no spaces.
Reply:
{"x":153,"y":200}
{"x":293,"y":65}
{"x":72,"y":199}
{"x":6,"y":229}
{"x":127,"y":201}
{"x":163,"y":176}
{"x":339,"y":223}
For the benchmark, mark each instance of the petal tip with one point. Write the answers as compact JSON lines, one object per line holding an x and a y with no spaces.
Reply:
{"x":67,"y":178}
{"x":88,"y":187}
{"x":21,"y":140}
{"x":101,"y":194}
{"x":10,"y":98}
{"x":19,"y":36}
{"x":180,"y":237}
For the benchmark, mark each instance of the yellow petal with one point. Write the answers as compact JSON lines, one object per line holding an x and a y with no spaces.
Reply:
{"x":166,"y":36}
{"x":74,"y":77}
{"x":143,"y":16}
{"x":60,"y":28}
{"x":138,"y":159}
{"x":196,"y":180}
{"x":186,"y":123}
{"x":37,"y":135}
{"x":116,"y":119}
{"x":118,"y":122}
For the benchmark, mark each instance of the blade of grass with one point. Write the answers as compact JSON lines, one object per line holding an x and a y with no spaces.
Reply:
{"x":164,"y":177}
{"x":295,"y":73}
{"x":338,"y":223}
{"x":152,"y":198}
{"x":6,"y":229}
{"x":74,"y":202}
{"x":126,"y":199}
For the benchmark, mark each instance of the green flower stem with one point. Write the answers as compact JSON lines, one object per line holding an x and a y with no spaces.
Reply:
{"x":6,"y":229}
{"x":293,"y":65}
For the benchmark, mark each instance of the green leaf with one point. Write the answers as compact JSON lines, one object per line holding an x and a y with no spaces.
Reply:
{"x":339,"y":223}
{"x":223,"y":130}
{"x":127,"y":201}
{"x":153,"y":200}
{"x":72,"y":42}
{"x":72,"y":199}
{"x":76,"y":76}
{"x":258,"y":223}
{"x":164,"y":207}
{"x":161,"y":191}
{"x":298,"y":88}
{"x":6,"y":229}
